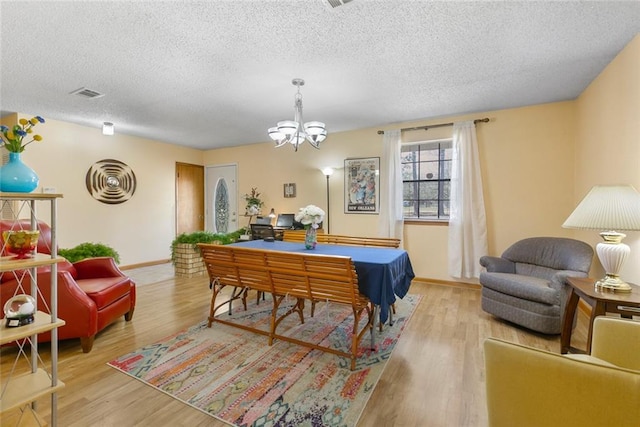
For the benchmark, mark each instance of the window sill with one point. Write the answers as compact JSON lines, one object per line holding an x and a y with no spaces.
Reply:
{"x":426,"y":222}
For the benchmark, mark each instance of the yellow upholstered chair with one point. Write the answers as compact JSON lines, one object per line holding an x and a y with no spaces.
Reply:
{"x":531,"y":387}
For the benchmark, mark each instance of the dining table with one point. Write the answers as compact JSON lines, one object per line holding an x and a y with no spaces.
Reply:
{"x":383,"y":273}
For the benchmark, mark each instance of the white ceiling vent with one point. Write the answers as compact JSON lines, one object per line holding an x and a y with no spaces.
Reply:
{"x":336,"y":3}
{"x":87,"y":93}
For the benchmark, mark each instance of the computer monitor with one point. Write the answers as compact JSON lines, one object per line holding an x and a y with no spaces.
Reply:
{"x":263,"y":220}
{"x":285,"y":220}
{"x":262,"y":231}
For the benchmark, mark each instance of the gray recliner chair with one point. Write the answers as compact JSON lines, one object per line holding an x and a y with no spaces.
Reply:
{"x":526,"y":285}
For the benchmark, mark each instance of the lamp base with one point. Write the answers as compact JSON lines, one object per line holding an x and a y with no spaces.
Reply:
{"x":612,"y":254}
{"x":612,"y":283}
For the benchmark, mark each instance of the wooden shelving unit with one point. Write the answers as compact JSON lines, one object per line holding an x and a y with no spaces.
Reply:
{"x":24,"y":387}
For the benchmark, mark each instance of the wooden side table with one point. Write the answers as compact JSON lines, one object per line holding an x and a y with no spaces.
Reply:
{"x":601,"y":302}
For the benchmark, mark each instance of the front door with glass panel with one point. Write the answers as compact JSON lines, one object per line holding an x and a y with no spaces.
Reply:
{"x":222,"y":212}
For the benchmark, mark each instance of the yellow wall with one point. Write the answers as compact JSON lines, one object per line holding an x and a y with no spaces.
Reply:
{"x":525,"y":160}
{"x":526,"y":156}
{"x":537,"y":163}
{"x":142,"y":228}
{"x":9,"y":120}
{"x":608,"y":140}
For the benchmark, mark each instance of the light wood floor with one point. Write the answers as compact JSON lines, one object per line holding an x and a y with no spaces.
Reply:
{"x":435,"y":376}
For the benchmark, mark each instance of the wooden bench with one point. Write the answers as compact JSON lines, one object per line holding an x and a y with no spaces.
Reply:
{"x":281,"y":274}
{"x":336,"y":239}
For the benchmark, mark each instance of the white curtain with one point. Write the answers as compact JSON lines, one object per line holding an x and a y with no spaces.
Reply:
{"x":391,"y":220}
{"x":467,"y":221}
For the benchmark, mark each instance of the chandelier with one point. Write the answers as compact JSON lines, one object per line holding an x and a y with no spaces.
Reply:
{"x":294,"y":131}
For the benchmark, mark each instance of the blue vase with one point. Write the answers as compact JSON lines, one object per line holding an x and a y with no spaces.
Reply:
{"x":16,"y":177}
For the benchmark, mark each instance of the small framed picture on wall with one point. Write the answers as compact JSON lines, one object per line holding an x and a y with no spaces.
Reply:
{"x":290,"y":190}
{"x":362,"y":185}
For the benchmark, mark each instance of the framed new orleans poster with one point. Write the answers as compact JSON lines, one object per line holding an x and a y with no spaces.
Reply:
{"x":362,"y":185}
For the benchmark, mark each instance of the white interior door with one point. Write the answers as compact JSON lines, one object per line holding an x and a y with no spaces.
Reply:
{"x":222,"y":198}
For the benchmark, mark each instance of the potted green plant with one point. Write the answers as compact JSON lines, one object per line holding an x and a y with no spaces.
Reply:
{"x":185,"y":255}
{"x":89,"y":250}
{"x":254,"y":203}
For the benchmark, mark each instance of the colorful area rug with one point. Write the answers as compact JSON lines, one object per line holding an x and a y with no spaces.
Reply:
{"x":235,"y":376}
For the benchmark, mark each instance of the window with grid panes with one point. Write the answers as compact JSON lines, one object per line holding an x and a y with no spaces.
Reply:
{"x":426,"y":179}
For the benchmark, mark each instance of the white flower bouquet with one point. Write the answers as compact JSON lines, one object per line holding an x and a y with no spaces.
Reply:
{"x":310,"y":216}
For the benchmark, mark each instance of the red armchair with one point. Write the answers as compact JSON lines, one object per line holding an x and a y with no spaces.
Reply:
{"x":92,"y":293}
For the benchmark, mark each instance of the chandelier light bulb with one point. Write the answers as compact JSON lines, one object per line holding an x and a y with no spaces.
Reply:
{"x":298,"y":138}
{"x":288,"y":127}
{"x":275,"y":134}
{"x":314,"y":128}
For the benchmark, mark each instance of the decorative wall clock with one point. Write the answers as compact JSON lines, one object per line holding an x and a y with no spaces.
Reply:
{"x":111,"y":181}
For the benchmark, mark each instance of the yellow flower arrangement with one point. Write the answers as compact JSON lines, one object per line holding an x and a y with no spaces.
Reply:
{"x":12,"y":138}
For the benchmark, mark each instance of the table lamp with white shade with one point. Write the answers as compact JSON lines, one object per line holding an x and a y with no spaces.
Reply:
{"x":612,"y":208}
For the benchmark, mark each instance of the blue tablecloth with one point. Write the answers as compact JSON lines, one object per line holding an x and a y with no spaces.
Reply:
{"x":383,"y":273}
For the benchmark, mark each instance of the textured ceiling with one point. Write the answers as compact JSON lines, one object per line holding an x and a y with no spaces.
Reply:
{"x":218,"y":73}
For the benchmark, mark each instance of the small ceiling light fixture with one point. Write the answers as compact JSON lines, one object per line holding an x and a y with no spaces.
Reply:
{"x":294,"y":131}
{"x":108,"y":128}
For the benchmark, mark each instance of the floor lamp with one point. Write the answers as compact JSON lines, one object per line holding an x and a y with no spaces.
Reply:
{"x":327,"y":172}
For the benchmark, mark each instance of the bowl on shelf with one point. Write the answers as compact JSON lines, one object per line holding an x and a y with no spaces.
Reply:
{"x":21,"y":242}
